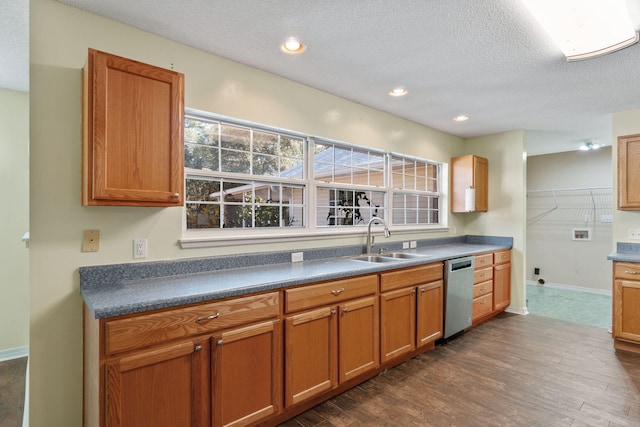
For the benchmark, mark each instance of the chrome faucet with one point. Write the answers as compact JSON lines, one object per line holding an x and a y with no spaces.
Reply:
{"x":387,"y":233}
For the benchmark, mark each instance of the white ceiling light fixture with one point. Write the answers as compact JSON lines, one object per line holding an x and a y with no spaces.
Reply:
{"x":398,"y":91}
{"x":293,"y":46}
{"x":588,"y":145}
{"x":585,"y":29}
{"x":461,"y":118}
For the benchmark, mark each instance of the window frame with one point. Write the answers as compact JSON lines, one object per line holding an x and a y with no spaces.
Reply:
{"x":210,"y":237}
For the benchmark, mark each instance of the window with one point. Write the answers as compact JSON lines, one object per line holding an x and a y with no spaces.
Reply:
{"x":240,"y":175}
{"x":415,"y":188}
{"x":349,"y":184}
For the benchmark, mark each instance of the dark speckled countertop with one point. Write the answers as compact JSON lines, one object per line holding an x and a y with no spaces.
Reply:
{"x":626,"y":252}
{"x":114,"y":290}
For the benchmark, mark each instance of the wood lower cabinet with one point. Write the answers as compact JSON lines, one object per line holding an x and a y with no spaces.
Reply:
{"x":429,"y":312}
{"x":247,"y":374}
{"x":398,"y":317}
{"x":165,"y":386}
{"x":492,"y":285}
{"x":329,"y":345}
{"x":212,"y":364}
{"x":410,"y":309}
{"x":626,"y":306}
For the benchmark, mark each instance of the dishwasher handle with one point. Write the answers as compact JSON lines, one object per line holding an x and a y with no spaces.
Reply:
{"x":460,"y":264}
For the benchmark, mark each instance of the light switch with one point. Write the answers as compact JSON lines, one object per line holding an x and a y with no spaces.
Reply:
{"x":91,"y":241}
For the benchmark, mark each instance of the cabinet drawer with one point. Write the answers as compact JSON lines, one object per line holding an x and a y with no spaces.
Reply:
{"x":148,"y":329}
{"x":482,"y":261}
{"x":482,"y":289}
{"x":483,"y":275}
{"x":411,"y":276}
{"x":329,"y":293}
{"x":627,"y":270}
{"x":482,"y":306}
{"x":501,"y":257}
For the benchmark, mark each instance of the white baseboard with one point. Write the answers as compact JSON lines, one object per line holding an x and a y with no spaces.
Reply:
{"x":606,"y":292}
{"x":14,"y":353}
{"x":522,"y":311}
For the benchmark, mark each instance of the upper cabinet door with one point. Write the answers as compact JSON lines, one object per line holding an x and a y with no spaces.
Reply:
{"x":629,"y":172}
{"x":469,"y":172}
{"x":132,"y":133}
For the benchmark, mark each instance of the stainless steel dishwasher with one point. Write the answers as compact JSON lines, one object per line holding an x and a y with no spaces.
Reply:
{"x":458,"y":295}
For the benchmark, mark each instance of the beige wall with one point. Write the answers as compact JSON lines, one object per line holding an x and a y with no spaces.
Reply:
{"x":563,"y":261}
{"x":14,"y":217}
{"x":60,"y":36}
{"x":624,"y":123}
{"x":506,"y":215}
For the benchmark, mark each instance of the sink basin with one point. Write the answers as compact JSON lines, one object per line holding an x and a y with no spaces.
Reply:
{"x":374,"y":258}
{"x":406,"y":255}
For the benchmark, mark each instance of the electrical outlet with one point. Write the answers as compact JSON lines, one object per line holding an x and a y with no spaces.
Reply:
{"x":405,"y":245}
{"x":413,"y":244}
{"x":140,"y":248}
{"x":606,"y":218}
{"x":297,"y":256}
{"x":536,"y":271}
{"x":633,"y":234}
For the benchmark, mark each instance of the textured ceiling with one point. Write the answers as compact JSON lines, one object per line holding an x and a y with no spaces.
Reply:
{"x":484,"y":58}
{"x":14,"y":45}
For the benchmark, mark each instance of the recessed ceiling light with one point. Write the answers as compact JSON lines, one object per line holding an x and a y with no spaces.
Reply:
{"x":399,"y":91}
{"x":460,"y":118}
{"x":293,"y":45}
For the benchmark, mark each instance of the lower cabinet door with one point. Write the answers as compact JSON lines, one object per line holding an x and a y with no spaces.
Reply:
{"x":247,"y":374}
{"x":310,"y":354}
{"x":166,"y":386}
{"x":359,"y":343}
{"x":398,"y":323}
{"x":626,"y":310}
{"x":429,"y":313}
{"x":501,"y":286}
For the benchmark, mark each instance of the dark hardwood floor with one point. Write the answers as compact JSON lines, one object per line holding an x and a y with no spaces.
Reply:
{"x":12,"y":391}
{"x":512,"y":371}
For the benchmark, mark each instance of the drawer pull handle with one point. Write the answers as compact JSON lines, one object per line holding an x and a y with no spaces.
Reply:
{"x":198,"y":347}
{"x":337,"y":291}
{"x":630,"y":272}
{"x":207,"y":318}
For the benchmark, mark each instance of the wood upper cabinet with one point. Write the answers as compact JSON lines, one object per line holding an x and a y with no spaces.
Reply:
{"x":629,"y":172}
{"x":247,"y":374}
{"x":328,"y":344}
{"x":133,"y":117}
{"x":626,"y":302}
{"x":167,"y":386}
{"x":469,"y":172}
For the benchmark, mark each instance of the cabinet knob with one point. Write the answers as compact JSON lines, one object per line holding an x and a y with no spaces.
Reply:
{"x":345,"y":310}
{"x":176,"y":195}
{"x":220,"y":342}
{"x":334,"y":312}
{"x":207,"y":318}
{"x":198,"y":347}
{"x":337,"y":291}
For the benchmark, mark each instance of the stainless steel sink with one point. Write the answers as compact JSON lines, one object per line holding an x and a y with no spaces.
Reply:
{"x":375,"y":258}
{"x":406,"y":255}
